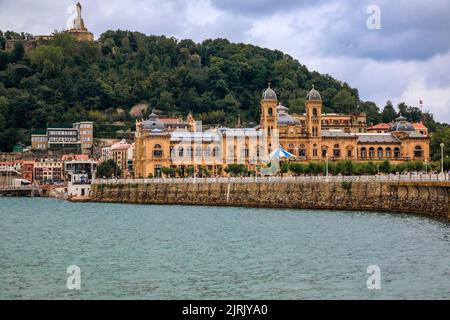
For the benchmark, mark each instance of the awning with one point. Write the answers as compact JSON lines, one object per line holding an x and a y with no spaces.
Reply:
{"x":280,"y":153}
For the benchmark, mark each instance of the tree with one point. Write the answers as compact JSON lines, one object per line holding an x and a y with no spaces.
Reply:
{"x":388,"y":113}
{"x":284,"y":168}
{"x":168,"y":171}
{"x":345,"y":167}
{"x":345,"y":101}
{"x":236,"y":169}
{"x":18,"y":52}
{"x":372,"y":111}
{"x":296,"y":168}
{"x":48,"y":59}
{"x":441,"y":135}
{"x":108,"y":169}
{"x":385,"y":166}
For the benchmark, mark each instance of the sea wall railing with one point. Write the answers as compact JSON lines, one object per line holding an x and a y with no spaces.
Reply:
{"x":279,"y":179}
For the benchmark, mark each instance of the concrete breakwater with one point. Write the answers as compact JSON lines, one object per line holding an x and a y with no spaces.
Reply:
{"x":422,"y":197}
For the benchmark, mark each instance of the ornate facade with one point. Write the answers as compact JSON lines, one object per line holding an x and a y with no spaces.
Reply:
{"x":313,"y":136}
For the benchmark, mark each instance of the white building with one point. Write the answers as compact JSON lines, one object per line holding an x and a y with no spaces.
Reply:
{"x":81,"y":173}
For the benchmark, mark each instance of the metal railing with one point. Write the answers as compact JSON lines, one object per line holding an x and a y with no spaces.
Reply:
{"x":279,"y":179}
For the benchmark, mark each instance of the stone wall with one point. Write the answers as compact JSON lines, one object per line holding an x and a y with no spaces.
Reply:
{"x":409,"y":197}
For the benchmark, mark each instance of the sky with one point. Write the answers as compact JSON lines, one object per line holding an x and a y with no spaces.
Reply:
{"x":396,"y":50}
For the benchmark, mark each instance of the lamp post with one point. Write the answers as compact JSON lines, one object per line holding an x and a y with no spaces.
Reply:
{"x":442,"y":157}
{"x":326,"y":167}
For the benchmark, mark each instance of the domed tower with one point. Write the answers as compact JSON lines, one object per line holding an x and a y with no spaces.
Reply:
{"x":313,"y":106}
{"x":269,"y":103}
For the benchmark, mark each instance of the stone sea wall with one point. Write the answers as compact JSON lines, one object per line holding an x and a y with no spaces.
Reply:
{"x":431,"y":198}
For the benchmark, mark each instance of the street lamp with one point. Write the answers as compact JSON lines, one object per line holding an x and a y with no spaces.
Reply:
{"x":442,"y":157}
{"x":326,"y":170}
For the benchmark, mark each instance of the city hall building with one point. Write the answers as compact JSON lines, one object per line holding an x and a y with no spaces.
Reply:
{"x":313,"y":136}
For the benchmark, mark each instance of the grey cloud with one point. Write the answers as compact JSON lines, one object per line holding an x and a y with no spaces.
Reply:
{"x":259,"y":7}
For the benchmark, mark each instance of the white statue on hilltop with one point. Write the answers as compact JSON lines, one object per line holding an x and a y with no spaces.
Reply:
{"x":78,"y":23}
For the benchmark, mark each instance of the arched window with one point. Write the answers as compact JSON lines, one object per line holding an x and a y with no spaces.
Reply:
{"x":302,"y":150}
{"x":380,"y":152}
{"x":189,"y":152}
{"x":214,"y":152}
{"x":244,"y":152}
{"x":198,"y":151}
{"x":157,"y":151}
{"x":324,"y":152}
{"x":388,"y":152}
{"x":363,"y":153}
{"x":396,"y":152}
{"x":418,"y":152}
{"x":336,"y":151}
{"x":180,"y":152}
{"x":291,"y":148}
{"x":314,"y":112}
{"x":207,"y":153}
{"x":371,"y":152}
{"x":270,"y":112}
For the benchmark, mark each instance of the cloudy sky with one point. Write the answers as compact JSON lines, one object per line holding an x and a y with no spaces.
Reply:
{"x":407,"y":59}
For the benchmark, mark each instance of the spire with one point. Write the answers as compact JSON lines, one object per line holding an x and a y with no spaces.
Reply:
{"x":238,"y":121}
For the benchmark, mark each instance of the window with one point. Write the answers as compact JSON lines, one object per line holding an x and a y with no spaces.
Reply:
{"x":314,"y":152}
{"x":302,"y":150}
{"x":418,"y":152}
{"x":371,"y":152}
{"x":270,"y":112}
{"x":396,"y":152}
{"x":244,"y":152}
{"x":388,"y":152}
{"x":291,"y":148}
{"x":336,"y":151}
{"x":314,"y":112}
{"x":180,"y":152}
{"x":157,"y":151}
{"x":380,"y":152}
{"x":363,"y":153}
{"x":324,"y":152}
{"x":349,"y":153}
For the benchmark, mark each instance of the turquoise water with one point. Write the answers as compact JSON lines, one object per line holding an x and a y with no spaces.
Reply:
{"x":183,"y":252}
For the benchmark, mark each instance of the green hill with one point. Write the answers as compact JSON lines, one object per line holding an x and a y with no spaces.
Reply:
{"x":216,"y":80}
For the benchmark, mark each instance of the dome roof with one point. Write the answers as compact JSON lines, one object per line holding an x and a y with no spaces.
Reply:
{"x":313,"y":95}
{"x":401,"y":124}
{"x":281,"y":108}
{"x":285,"y":118}
{"x":269,"y":94}
{"x":153,"y":122}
